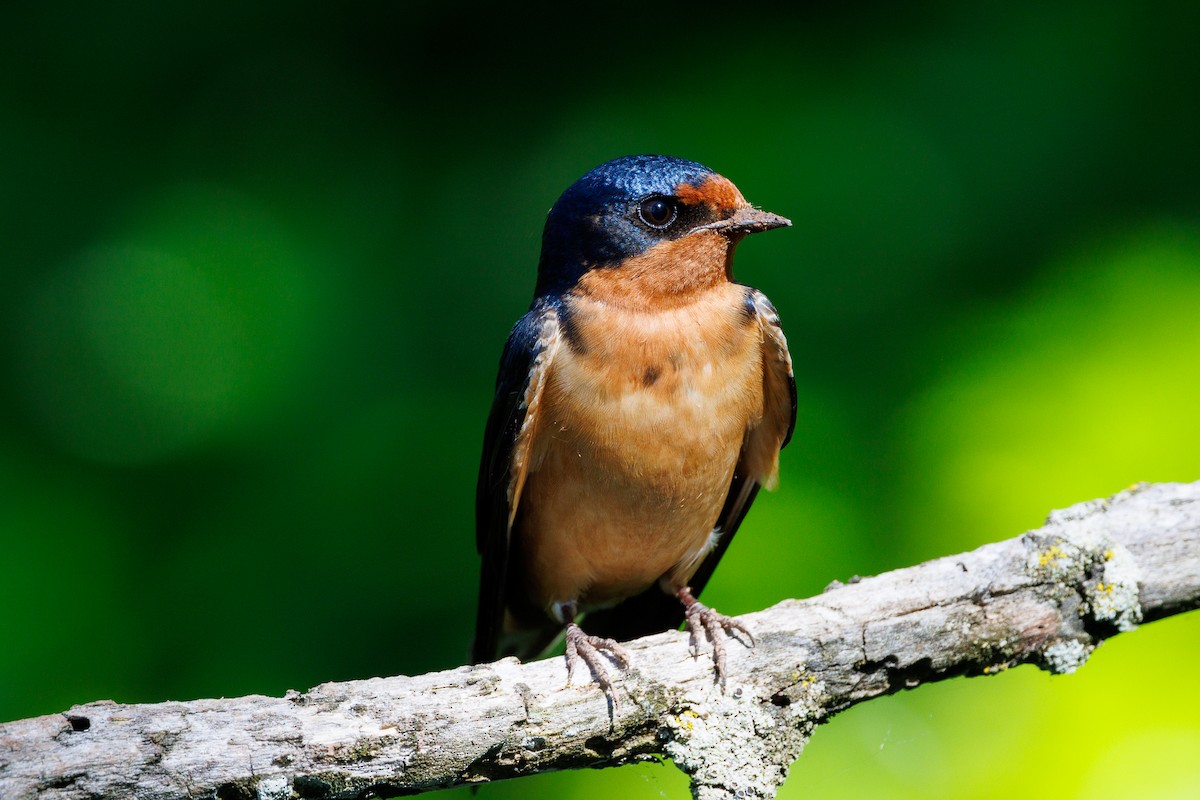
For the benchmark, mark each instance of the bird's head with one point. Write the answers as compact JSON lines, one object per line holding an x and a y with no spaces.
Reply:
{"x":646,"y":219}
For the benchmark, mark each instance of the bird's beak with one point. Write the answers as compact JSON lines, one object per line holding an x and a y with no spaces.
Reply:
{"x":747,"y":220}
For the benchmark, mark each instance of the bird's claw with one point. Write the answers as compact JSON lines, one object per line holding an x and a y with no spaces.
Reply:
{"x":717,"y":628}
{"x":581,"y":646}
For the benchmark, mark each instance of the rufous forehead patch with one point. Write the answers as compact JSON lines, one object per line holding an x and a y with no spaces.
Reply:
{"x":715,"y":191}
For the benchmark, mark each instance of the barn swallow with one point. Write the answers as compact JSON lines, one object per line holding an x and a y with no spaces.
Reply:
{"x":641,"y":403}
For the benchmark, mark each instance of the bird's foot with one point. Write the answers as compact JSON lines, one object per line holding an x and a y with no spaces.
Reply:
{"x":717,"y":628}
{"x":588,"y":648}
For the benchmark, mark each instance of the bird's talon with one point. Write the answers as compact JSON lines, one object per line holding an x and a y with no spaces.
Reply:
{"x":716,"y":626}
{"x":734,"y":625}
{"x":581,"y":646}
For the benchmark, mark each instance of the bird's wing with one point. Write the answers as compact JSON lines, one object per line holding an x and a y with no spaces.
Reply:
{"x":757,"y":466}
{"x":510,"y":429}
{"x":758,"y":463}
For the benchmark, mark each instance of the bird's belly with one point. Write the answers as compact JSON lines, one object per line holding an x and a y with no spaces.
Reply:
{"x":598,"y":529}
{"x":631,"y":471}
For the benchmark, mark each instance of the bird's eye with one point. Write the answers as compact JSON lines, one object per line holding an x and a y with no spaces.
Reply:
{"x":658,"y":212}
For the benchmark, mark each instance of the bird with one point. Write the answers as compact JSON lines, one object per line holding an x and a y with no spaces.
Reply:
{"x":640,"y":405}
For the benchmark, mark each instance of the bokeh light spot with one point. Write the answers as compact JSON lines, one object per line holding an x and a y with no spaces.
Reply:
{"x":184,"y":326}
{"x":1088,"y":386}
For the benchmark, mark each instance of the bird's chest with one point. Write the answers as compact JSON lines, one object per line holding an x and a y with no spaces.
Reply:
{"x":642,"y":420}
{"x":658,"y":402}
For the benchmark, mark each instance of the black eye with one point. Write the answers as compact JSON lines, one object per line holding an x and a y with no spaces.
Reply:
{"x":658,"y":212}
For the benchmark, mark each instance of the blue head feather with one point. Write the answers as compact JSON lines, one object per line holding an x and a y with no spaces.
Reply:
{"x":593,"y":224}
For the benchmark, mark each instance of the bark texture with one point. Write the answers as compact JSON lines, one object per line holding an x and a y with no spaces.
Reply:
{"x":1048,"y":597}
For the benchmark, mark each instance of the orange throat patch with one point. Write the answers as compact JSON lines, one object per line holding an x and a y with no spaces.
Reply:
{"x":670,"y":274}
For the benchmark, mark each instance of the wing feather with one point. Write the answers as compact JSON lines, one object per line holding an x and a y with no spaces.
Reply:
{"x":511,"y":426}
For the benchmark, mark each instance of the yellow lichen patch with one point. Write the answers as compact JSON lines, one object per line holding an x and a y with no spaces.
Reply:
{"x":1106,"y":588}
{"x":1050,"y":556}
{"x":687,"y":719}
{"x":992,"y":669}
{"x":1108,"y":554}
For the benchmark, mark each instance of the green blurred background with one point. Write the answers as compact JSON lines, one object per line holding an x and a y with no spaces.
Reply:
{"x":258,"y":265}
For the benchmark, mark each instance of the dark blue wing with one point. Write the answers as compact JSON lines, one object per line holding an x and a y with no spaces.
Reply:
{"x":519,"y":370}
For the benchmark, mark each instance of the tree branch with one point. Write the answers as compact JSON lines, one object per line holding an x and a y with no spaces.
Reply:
{"x":1047,"y":597}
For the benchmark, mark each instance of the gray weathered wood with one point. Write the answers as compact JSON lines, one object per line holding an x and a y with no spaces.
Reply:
{"x":1047,"y":597}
